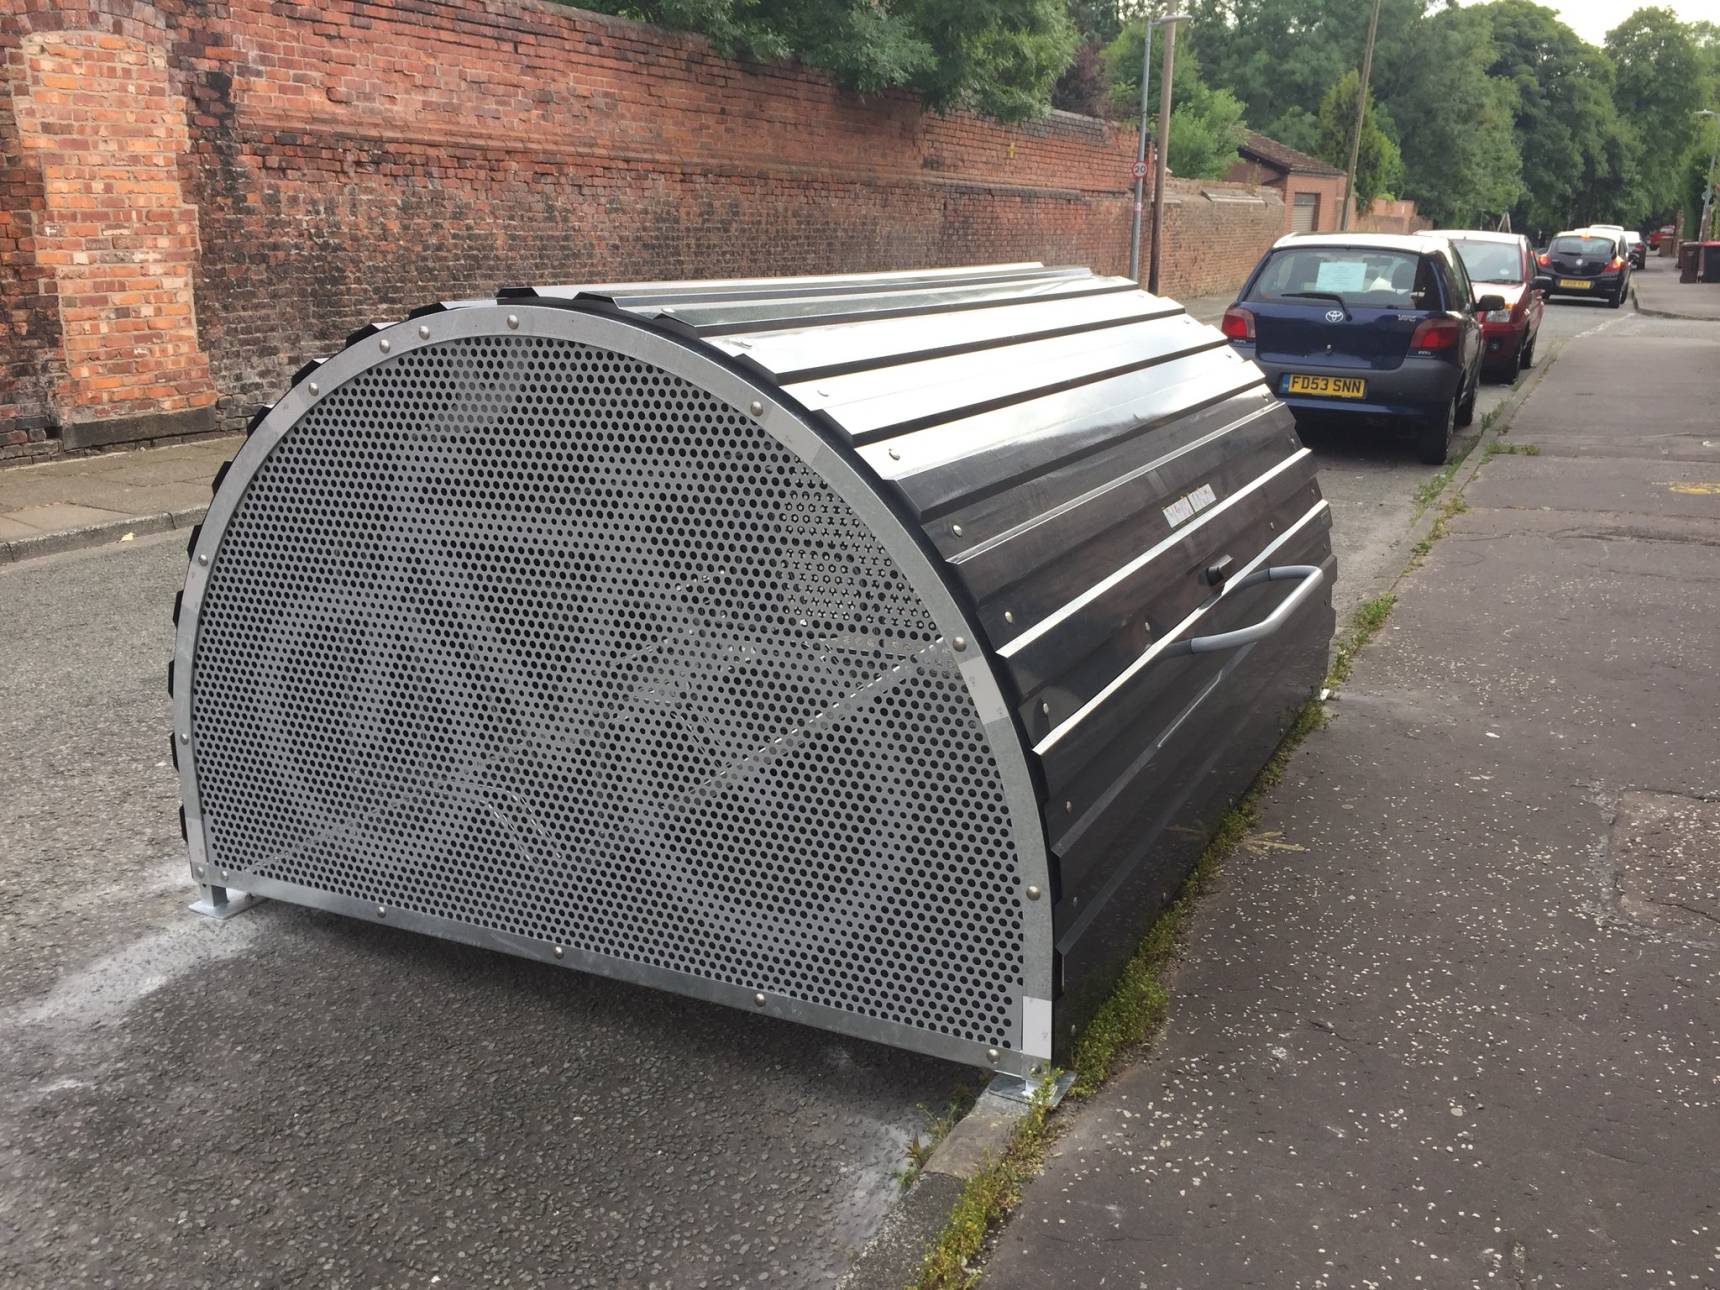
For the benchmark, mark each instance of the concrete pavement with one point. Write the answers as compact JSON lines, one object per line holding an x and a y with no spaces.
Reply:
{"x":88,"y":501}
{"x":1450,"y":1019}
{"x":1660,"y":294}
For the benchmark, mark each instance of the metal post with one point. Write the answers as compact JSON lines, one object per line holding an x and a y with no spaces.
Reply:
{"x":1163,"y":141}
{"x":1708,"y":188}
{"x":1141,"y":157}
{"x":1361,"y":115}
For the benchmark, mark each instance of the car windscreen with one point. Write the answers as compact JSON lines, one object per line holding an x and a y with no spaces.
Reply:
{"x":1491,"y":261}
{"x":1355,"y":276}
{"x":1593,"y":248}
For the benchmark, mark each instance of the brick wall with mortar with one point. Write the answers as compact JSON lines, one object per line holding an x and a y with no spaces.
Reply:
{"x":347,"y":161}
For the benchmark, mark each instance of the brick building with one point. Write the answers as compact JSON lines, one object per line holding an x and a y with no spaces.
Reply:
{"x":195,"y":198}
{"x":1312,"y":190}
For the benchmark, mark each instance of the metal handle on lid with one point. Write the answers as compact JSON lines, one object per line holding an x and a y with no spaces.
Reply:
{"x":1311,"y":576}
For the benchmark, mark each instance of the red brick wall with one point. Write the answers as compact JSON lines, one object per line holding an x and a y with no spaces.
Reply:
{"x":1328,"y":188}
{"x":1214,"y":233}
{"x":349,"y":160}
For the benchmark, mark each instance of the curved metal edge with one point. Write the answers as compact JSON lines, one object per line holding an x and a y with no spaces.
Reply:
{"x":841,"y":470}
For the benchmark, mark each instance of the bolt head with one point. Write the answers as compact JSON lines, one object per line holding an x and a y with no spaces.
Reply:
{"x":314,"y":388}
{"x":184,"y":736}
{"x":203,"y":559}
{"x":756,"y":408}
{"x":1045,"y":708}
{"x":384,"y":345}
{"x":382,"y":911}
{"x":423,"y":331}
{"x":1033,"y":893}
{"x":959,"y":643}
{"x":759,"y":999}
{"x":1009,"y":615}
{"x":956,"y":529}
{"x":558,"y":951}
{"x":513,"y":321}
{"x":199,"y":870}
{"x":225,"y":874}
{"x":1068,"y":808}
{"x":992,"y":1055}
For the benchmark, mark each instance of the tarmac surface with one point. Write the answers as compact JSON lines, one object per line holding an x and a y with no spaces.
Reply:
{"x":1450,"y":1016}
{"x":290,"y":1098}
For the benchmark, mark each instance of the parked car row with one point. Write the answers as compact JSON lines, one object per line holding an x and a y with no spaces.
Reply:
{"x":1403,"y":328}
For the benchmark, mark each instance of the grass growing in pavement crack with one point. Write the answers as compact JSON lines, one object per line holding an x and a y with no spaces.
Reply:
{"x":1495,"y":448}
{"x":986,"y":1197}
{"x":1453,"y":506}
{"x":921,"y":1145}
{"x":1131,"y":1016}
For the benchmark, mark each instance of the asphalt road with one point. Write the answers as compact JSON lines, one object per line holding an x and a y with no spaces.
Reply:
{"x":293,"y":1099}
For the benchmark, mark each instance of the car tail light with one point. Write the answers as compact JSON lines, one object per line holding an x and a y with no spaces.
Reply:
{"x":1238,"y":324}
{"x":1617,"y":262}
{"x":1541,"y":260}
{"x":1436,"y":334}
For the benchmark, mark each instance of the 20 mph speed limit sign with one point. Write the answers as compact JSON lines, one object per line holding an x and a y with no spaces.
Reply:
{"x":1139,"y":170}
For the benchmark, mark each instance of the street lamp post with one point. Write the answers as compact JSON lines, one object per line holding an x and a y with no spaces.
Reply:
{"x":1141,"y":151}
{"x":1708,"y":187}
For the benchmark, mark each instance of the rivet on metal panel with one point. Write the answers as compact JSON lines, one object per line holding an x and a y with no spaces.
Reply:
{"x":960,"y":643}
{"x":1009,"y":615}
{"x":1068,"y":808}
{"x":314,"y":388}
{"x":382,"y":911}
{"x":513,"y":321}
{"x":384,"y":345}
{"x":756,"y":408}
{"x":992,"y":1054}
{"x":558,"y":951}
{"x":199,"y":869}
{"x":1045,"y":708}
{"x":423,"y":331}
{"x":225,"y":874}
{"x":1033,"y":893}
{"x":184,"y":736}
{"x":759,"y":999}
{"x":203,"y":559}
{"x":1147,"y":623}
{"x":956,"y":529}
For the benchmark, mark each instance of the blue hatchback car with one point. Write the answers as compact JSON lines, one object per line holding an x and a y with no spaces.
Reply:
{"x":1368,"y":324}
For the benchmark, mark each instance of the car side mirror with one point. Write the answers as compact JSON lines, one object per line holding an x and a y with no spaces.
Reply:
{"x":1487,"y":304}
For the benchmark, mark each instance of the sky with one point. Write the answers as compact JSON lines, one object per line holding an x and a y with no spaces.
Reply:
{"x":1592,"y":19}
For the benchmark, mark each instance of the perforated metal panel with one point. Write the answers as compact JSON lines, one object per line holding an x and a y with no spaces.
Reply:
{"x":539,"y":638}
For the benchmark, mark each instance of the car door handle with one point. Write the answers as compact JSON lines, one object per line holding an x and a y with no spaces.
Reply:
{"x":1311,"y":577}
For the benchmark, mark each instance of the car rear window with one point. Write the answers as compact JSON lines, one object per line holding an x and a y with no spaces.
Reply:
{"x":1359,"y":276}
{"x":1491,"y":261}
{"x":1592,"y":247}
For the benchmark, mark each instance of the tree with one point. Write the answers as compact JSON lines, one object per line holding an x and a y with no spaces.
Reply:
{"x":1660,"y":76}
{"x":996,"y":57}
{"x":1462,"y":168}
{"x":1567,"y":129}
{"x":1379,"y":164}
{"x":1206,"y":123}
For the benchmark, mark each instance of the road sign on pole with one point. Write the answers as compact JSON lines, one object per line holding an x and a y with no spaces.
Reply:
{"x":1139,"y":170}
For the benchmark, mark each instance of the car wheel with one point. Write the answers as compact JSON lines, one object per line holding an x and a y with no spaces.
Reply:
{"x":1433,"y":439}
{"x":1466,"y":403}
{"x":1617,"y":299}
{"x":1528,"y":359}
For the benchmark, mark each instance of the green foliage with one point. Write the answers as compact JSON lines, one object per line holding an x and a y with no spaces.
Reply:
{"x":1379,"y":164}
{"x":1660,"y":75}
{"x":996,"y":57}
{"x":1206,"y":123}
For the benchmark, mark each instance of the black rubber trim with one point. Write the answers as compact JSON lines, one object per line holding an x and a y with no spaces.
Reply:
{"x":305,"y":371}
{"x":220,"y":474}
{"x":191,"y":544}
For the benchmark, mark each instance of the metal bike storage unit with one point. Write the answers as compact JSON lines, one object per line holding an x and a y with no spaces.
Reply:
{"x":874,"y":651}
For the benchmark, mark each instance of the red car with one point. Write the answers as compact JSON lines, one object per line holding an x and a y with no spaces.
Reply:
{"x":1502,"y":264}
